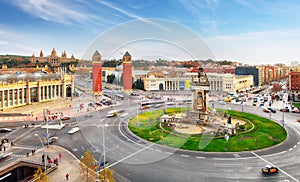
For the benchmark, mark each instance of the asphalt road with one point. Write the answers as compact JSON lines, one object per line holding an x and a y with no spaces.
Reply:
{"x":139,"y":160}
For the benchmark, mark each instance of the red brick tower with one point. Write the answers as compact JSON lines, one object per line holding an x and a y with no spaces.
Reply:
{"x":97,"y":74}
{"x":127,"y":72}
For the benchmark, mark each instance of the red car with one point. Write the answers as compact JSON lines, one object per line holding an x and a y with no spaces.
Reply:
{"x":266,"y":110}
{"x":65,"y":118}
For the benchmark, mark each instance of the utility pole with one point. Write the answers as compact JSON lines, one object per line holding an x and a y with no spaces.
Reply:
{"x":282,"y":113}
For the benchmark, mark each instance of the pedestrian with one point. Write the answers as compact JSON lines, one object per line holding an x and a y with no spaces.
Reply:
{"x":59,"y":156}
{"x":67,"y":176}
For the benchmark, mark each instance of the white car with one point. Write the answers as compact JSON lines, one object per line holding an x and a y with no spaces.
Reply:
{"x":74,"y":130}
{"x":5,"y":130}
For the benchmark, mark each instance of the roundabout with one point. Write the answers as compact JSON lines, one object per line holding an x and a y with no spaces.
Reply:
{"x":137,"y":159}
{"x":252,"y":132}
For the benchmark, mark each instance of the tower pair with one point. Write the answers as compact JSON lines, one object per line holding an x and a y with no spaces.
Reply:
{"x":97,"y":73}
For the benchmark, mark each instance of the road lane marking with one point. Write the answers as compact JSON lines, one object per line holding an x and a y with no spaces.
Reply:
{"x":113,"y":164}
{"x":25,"y":147}
{"x":182,"y":155}
{"x":22,"y":135}
{"x":169,"y":153}
{"x":290,"y":149}
{"x":277,"y":166}
{"x":295,"y":146}
{"x":158,"y":150}
{"x":200,"y":157}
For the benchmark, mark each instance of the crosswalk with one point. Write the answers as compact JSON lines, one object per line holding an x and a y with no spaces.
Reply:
{"x":25,"y":147}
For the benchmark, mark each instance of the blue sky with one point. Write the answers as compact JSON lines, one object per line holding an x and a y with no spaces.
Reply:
{"x":253,"y":32}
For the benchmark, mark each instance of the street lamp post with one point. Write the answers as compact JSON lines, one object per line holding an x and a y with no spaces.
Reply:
{"x":43,"y":151}
{"x":46,"y":123}
{"x":242,"y":103}
{"x":282,"y":113}
{"x":103,"y":138}
{"x":103,"y":154}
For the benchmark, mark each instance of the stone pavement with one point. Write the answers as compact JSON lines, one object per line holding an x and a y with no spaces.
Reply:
{"x":67,"y":164}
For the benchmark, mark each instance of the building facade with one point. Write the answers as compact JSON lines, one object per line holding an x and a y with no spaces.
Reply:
{"x":294,"y":86}
{"x":248,"y":70}
{"x":217,"y":82}
{"x":261,"y":74}
{"x":243,"y":82}
{"x":53,"y":59}
{"x":97,"y":73}
{"x":44,"y":88}
{"x":127,"y":72}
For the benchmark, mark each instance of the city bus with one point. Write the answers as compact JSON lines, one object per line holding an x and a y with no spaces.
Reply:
{"x":147,"y":104}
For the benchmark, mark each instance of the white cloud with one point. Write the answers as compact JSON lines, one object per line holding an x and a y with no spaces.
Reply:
{"x":258,"y":47}
{"x":64,"y":12}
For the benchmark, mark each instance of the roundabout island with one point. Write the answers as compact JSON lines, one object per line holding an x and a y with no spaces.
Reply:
{"x":199,"y":128}
{"x":251,"y":132}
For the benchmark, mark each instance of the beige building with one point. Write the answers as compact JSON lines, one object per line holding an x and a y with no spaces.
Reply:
{"x":261,"y":74}
{"x":34,"y":88}
{"x":243,"y":82}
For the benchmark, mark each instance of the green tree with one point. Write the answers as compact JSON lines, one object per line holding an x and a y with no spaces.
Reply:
{"x":40,"y":176}
{"x":110,"y":78}
{"x":138,"y":84}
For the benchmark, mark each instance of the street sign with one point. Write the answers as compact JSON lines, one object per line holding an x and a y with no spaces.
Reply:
{"x":226,"y":137}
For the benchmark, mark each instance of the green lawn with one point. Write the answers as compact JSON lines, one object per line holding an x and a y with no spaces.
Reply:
{"x":297,"y":105}
{"x":264,"y":133}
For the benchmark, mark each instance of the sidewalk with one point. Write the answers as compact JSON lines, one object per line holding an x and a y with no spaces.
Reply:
{"x":67,"y":164}
{"x":68,"y":107}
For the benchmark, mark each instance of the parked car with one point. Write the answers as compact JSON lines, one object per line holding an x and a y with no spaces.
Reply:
{"x":58,"y":114}
{"x":266,"y":110}
{"x":268,"y":169}
{"x":272,"y":110}
{"x":65,"y":118}
{"x":285,"y":110}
